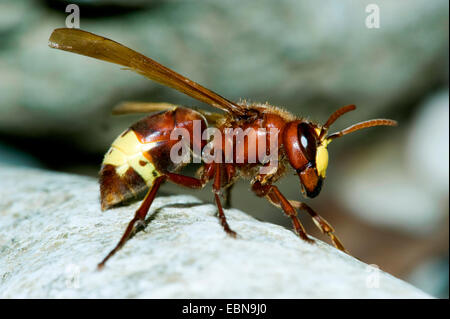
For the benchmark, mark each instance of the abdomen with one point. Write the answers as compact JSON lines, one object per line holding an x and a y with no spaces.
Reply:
{"x":141,"y":154}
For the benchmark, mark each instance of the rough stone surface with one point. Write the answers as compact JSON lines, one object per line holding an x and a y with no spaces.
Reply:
{"x":53,"y":234}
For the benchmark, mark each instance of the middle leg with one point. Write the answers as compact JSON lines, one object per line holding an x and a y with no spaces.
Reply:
{"x":230,"y":173}
{"x":216,"y":189}
{"x":228,"y":196}
{"x":214,"y":170}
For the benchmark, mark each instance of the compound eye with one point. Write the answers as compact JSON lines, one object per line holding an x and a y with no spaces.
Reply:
{"x":307,"y":139}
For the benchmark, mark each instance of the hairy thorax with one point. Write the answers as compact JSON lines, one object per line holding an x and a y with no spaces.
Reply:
{"x":255,"y":140}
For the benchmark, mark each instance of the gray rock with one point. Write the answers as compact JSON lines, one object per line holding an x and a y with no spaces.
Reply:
{"x":53,"y":235}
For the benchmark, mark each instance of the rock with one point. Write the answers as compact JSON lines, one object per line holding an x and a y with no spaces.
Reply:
{"x":53,"y":235}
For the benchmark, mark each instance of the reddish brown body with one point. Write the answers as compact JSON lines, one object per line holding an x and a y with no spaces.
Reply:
{"x":155,"y":131}
{"x":154,"y":143}
{"x":140,"y":158}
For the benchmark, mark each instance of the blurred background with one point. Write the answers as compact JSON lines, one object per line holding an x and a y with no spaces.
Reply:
{"x":387,"y":189}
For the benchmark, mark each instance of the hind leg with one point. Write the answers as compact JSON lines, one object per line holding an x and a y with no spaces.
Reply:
{"x":146,"y":203}
{"x":139,"y":216}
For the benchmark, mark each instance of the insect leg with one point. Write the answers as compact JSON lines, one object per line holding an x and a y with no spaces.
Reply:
{"x":228,"y":196}
{"x":216,"y":190}
{"x":321,"y":223}
{"x":230,"y":172}
{"x":192,"y":182}
{"x":276,"y":198}
{"x":184,"y":180}
{"x":139,"y":216}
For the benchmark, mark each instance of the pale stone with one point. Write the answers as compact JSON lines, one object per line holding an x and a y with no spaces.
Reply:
{"x":53,"y":234}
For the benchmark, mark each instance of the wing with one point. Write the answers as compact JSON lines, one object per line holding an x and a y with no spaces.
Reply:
{"x":89,"y":44}
{"x":148,"y":107}
{"x":141,"y":107}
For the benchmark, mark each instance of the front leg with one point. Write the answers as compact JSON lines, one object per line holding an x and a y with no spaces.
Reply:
{"x":273,"y":194}
{"x":321,"y":223}
{"x":269,"y":191}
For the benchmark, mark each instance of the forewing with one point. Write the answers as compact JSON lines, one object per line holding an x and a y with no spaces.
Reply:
{"x":89,"y":44}
{"x":141,"y":107}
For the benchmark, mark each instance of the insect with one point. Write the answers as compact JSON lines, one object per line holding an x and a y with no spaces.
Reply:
{"x":139,"y":159}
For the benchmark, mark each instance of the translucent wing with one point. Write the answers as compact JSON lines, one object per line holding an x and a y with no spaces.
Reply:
{"x":148,"y":107}
{"x":89,"y":44}
{"x":141,"y":107}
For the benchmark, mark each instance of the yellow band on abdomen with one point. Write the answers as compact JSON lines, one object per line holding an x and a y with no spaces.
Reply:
{"x":127,"y":151}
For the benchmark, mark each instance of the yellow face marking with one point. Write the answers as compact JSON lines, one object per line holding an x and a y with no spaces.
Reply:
{"x":322,"y":160}
{"x":318,"y":130}
{"x":322,"y":155}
